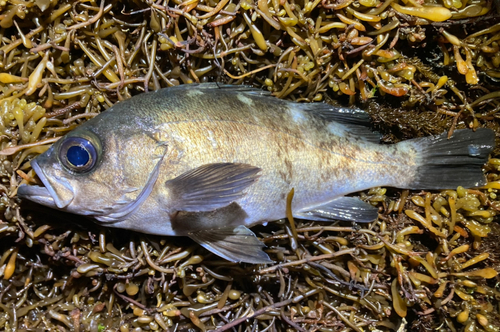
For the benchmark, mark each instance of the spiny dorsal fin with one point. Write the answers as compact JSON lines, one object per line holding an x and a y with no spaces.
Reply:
{"x":357,"y":121}
{"x":247,"y":89}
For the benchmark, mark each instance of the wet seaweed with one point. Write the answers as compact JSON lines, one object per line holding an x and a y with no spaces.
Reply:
{"x":429,"y":262}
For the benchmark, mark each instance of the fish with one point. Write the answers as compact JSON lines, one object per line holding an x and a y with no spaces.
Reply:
{"x":209,"y":161}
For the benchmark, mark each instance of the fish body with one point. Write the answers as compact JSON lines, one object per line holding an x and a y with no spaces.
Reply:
{"x":208,"y":161}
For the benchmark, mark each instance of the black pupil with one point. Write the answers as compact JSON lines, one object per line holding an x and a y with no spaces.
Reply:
{"x":78,"y":156}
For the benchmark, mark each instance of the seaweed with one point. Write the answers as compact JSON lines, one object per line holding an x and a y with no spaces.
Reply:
{"x":429,"y":262}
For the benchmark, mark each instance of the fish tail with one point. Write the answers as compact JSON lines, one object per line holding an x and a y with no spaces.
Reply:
{"x":446,"y":163}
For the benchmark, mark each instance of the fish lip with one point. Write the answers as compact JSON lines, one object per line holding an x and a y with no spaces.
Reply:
{"x":44,"y":195}
{"x":37,"y":194}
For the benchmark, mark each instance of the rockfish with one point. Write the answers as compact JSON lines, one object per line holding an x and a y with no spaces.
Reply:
{"x":209,"y":161}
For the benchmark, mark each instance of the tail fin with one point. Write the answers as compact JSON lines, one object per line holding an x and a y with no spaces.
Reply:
{"x":449,"y":163}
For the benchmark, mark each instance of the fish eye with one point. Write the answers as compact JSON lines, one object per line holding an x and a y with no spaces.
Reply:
{"x":78,"y":154}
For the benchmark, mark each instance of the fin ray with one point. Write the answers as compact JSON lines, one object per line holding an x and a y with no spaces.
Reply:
{"x":210,"y":186}
{"x":357,"y":121}
{"x":246,"y":89}
{"x":342,"y":208}
{"x":449,"y":163}
{"x":236,"y":244}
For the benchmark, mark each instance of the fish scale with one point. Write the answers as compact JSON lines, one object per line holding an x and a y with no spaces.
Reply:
{"x":209,"y":161}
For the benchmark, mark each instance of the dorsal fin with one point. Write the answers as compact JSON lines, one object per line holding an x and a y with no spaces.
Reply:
{"x":247,"y":89}
{"x":357,"y":121}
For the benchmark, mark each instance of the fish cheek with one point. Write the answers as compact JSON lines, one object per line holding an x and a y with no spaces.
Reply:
{"x":100,"y":189}
{"x":94,"y":195}
{"x":187,"y":222}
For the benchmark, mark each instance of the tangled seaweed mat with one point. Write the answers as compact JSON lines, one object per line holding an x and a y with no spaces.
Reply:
{"x":429,"y":262}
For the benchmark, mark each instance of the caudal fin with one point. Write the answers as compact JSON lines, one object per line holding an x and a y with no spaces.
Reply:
{"x":449,"y":163}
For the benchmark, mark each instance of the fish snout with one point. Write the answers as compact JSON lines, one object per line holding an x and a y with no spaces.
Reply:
{"x":57,"y":193}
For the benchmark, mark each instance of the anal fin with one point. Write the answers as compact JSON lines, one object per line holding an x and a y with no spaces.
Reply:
{"x":236,"y":244}
{"x":342,"y":208}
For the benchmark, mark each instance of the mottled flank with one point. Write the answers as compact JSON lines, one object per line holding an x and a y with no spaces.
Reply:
{"x":214,"y":159}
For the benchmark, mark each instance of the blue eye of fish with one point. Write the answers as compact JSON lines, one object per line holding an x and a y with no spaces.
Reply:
{"x":78,"y":154}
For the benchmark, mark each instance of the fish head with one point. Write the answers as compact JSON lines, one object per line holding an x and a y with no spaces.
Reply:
{"x":94,"y":171}
{"x":68,"y":171}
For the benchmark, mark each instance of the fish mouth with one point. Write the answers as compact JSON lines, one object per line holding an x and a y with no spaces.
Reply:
{"x":46,"y":195}
{"x":36,"y":194}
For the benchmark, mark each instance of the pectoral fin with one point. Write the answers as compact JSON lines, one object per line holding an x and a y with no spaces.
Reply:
{"x":342,"y":208}
{"x":210,"y":186}
{"x":236,"y":244}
